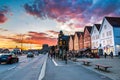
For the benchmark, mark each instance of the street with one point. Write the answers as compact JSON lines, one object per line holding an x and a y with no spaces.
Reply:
{"x":55,"y":69}
{"x":26,"y":69}
{"x":58,"y":70}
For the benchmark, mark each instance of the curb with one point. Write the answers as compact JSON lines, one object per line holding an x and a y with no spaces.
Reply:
{"x":43,"y":69}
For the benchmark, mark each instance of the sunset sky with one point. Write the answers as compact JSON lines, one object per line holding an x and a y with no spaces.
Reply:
{"x":37,"y":22}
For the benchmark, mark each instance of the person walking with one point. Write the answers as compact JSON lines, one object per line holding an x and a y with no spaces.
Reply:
{"x":111,"y":54}
{"x":65,"y":57}
{"x":105,"y":54}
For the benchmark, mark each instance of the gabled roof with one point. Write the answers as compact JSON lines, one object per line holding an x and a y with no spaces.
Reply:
{"x":114,"y":21}
{"x":72,"y":36}
{"x":78,"y":34}
{"x":97,"y":26}
{"x":89,"y":28}
{"x":82,"y":33}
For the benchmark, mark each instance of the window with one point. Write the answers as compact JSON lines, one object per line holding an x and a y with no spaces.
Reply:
{"x":98,"y":36}
{"x":110,"y":33}
{"x":96,"y":43}
{"x":103,"y":42}
{"x":103,"y":35}
{"x":107,"y":34}
{"x":105,"y":27}
{"x":110,"y":41}
{"x":94,"y":31}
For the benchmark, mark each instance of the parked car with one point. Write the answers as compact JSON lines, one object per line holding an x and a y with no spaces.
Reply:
{"x":9,"y":58}
{"x":30,"y":54}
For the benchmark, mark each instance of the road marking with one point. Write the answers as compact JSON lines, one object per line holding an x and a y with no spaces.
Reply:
{"x":12,"y":68}
{"x":42,"y":73}
{"x":54,"y":62}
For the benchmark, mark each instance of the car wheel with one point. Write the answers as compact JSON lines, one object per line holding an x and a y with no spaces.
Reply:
{"x":11,"y":61}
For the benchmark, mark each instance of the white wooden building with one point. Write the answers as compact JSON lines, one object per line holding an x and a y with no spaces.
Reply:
{"x":110,"y":35}
{"x":95,"y":40}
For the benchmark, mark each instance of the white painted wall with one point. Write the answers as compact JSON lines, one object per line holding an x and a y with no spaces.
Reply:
{"x":95,"y":38}
{"x":106,"y":39}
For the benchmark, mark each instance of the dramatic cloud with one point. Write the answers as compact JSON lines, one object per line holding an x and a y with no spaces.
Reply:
{"x":3,"y":11}
{"x":52,"y":34}
{"x":85,"y":12}
{"x":32,"y":38}
{"x":101,"y":9}
{"x":41,"y":38}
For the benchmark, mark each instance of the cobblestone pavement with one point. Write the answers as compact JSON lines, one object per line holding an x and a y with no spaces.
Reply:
{"x":114,"y":72}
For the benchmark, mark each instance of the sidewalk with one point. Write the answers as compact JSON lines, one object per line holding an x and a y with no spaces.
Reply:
{"x":114,"y":71}
{"x":70,"y":71}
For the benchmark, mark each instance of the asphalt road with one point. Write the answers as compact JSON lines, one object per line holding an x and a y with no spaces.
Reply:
{"x":58,"y":70}
{"x":26,"y":69}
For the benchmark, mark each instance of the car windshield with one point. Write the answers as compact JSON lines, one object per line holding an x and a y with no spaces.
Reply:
{"x":30,"y":53}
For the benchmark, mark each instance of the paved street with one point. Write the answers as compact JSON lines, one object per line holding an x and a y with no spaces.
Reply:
{"x":58,"y":70}
{"x":26,"y":69}
{"x":113,"y":73}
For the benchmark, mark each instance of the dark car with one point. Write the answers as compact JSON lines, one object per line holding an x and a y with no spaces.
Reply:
{"x":30,"y":54}
{"x":9,"y":58}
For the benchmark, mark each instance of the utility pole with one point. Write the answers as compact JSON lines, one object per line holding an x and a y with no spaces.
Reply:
{"x":21,"y":35}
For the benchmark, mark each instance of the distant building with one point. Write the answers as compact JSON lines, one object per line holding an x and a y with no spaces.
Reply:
{"x":4,"y":51}
{"x":45,"y":47}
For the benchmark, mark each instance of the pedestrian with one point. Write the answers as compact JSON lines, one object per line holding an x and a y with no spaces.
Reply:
{"x":119,"y":55}
{"x":65,"y":58}
{"x":111,"y":54}
{"x":105,"y":54}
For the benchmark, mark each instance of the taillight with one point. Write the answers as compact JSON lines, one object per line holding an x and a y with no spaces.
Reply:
{"x":9,"y":57}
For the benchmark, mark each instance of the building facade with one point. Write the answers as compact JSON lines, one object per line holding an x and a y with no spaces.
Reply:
{"x":76,"y":41}
{"x":110,"y":35}
{"x":71,"y":43}
{"x":87,"y":36}
{"x":95,"y":39}
{"x":81,"y":42}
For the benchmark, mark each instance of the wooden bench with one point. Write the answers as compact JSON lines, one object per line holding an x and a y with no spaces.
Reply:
{"x":103,"y":67}
{"x":85,"y":62}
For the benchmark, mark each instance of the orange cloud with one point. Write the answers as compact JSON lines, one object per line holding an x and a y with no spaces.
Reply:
{"x":34,"y":38}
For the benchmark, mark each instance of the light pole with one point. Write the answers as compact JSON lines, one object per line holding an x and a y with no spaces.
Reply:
{"x":21,"y":35}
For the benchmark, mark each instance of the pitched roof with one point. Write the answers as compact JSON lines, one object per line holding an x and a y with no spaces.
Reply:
{"x":89,"y":28}
{"x":82,"y":33}
{"x":97,"y":26}
{"x":72,"y":36}
{"x":114,"y":21}
{"x":78,"y":34}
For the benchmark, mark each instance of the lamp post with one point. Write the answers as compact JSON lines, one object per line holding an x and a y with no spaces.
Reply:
{"x":21,"y":36}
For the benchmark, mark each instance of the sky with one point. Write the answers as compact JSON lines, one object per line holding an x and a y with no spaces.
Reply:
{"x":33,"y":23}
